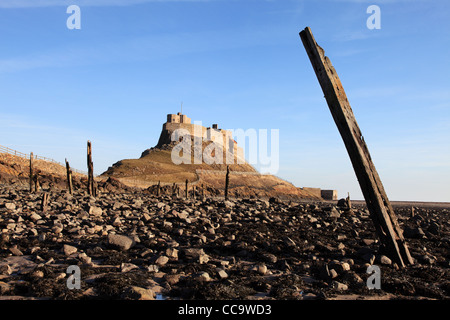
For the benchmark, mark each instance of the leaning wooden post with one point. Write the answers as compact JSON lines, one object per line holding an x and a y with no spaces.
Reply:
{"x":382,"y":214}
{"x":31,"y":171}
{"x":69,"y":177}
{"x":227,"y":182}
{"x":90,"y":165}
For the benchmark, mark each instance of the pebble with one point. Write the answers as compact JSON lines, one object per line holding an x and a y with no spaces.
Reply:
{"x":385,"y":260}
{"x":95,"y":211}
{"x":10,"y":205}
{"x":162,"y":260}
{"x":138,"y":293}
{"x":339,"y":286}
{"x":68,"y":250}
{"x":120,"y":241}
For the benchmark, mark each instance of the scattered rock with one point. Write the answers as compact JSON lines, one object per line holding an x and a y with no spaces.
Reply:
{"x":95,"y":211}
{"x":162,"y":260}
{"x":138,"y":293}
{"x":339,"y":286}
{"x":15,"y":251}
{"x":385,"y":260}
{"x":121,"y":242}
{"x":68,"y":250}
{"x":10,"y":205}
{"x":5,"y":270}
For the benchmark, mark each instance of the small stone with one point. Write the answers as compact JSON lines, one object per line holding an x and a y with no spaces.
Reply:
{"x":332,"y":273}
{"x":152,"y":268}
{"x":172,"y":279}
{"x":35,"y":217}
{"x":345,"y":266}
{"x":60,"y":276}
{"x":385,"y":260}
{"x":120,"y":241}
{"x":334,"y":213}
{"x":15,"y":251}
{"x":126,"y":267}
{"x":172,"y":253}
{"x":270,"y":258}
{"x":138,"y":293}
{"x":203,"y":277}
{"x":222,"y":274}
{"x":4,"y":288}
{"x":117,"y":222}
{"x":85,"y":258}
{"x":37,"y":274}
{"x":10,"y":206}
{"x":95,"y":211}
{"x":339,"y":286}
{"x":162,"y":260}
{"x":5,"y":270}
{"x":68,"y":250}
{"x":262,"y":269}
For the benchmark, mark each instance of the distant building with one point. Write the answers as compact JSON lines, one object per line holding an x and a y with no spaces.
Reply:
{"x":329,"y":194}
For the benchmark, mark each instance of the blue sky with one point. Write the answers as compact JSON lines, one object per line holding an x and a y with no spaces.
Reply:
{"x":240,"y":64}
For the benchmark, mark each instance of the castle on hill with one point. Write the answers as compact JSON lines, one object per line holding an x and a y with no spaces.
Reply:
{"x":222,"y":137}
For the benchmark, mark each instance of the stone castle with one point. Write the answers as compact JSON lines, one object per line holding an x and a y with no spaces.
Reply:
{"x":220,"y":136}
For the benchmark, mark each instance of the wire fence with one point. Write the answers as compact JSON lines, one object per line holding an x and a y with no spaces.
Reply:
{"x":7,"y":150}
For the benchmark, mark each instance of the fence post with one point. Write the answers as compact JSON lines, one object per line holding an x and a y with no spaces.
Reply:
{"x":69,"y":177}
{"x":31,"y":172}
{"x":91,"y":186}
{"x":227,"y":182}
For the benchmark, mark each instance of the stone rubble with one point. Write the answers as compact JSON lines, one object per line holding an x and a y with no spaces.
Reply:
{"x":134,"y":245}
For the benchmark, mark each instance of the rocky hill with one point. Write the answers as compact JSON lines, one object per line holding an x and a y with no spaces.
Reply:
{"x":155,"y":166}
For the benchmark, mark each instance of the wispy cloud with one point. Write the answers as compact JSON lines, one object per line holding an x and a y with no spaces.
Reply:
{"x":91,"y":3}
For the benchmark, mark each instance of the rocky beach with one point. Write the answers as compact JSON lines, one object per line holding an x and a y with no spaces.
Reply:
{"x":132,"y":244}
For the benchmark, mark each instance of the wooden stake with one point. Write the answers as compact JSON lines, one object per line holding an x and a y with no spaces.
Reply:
{"x":186,"y":188}
{"x":31,"y":171}
{"x":348,"y":201}
{"x":382,"y":214}
{"x":91,"y":188}
{"x":69,"y":177}
{"x":227,"y":181}
{"x":44,"y":201}
{"x":36,"y":182}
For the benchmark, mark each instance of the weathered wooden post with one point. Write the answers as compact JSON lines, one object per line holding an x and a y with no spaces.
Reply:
{"x":31,"y":171}
{"x":90,"y":187}
{"x":44,"y":201}
{"x":186,"y":188}
{"x":348,"y":201}
{"x":227,"y":182}
{"x":381,"y":212}
{"x":69,"y":177}
{"x":158,"y":188}
{"x":36,"y":182}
